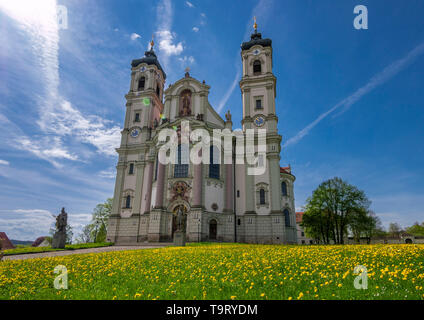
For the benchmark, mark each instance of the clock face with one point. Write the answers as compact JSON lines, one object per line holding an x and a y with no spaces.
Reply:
{"x":142,"y":69}
{"x":135,"y":133}
{"x":259,"y":121}
{"x":256,"y":52}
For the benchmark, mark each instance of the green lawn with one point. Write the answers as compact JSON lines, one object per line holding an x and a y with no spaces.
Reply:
{"x":223,"y":271}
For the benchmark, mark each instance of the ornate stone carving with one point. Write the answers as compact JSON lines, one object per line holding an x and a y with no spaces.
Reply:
{"x":180,"y":190}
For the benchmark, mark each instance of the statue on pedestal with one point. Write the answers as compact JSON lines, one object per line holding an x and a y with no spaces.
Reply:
{"x":180,"y":233}
{"x":59,"y":238}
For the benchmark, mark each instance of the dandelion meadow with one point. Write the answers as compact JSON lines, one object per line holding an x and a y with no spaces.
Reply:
{"x":223,"y":271}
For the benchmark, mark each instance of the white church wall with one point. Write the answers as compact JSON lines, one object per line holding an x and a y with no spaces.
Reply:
{"x":214,"y":193}
{"x":240,"y":186}
{"x":144,"y":191}
{"x":173,"y":108}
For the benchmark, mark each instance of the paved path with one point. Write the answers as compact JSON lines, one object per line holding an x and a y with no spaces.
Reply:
{"x":79,"y":251}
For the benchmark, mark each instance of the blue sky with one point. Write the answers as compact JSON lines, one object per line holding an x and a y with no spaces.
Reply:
{"x":350,"y":102}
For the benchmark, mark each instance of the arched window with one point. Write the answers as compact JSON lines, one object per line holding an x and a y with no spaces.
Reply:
{"x":131,"y":170}
{"x":128,"y":202}
{"x":158,"y":90}
{"x":287,"y":217}
{"x":214,"y":166}
{"x":284,"y":188}
{"x":261,"y":196}
{"x":141,"y":83}
{"x":257,"y":68}
{"x":181,"y":166}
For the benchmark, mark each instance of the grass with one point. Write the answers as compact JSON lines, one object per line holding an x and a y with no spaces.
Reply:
{"x":25,"y":250}
{"x":223,"y":271}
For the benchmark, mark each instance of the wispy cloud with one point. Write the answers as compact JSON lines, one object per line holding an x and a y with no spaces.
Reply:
{"x":57,"y":117}
{"x":108,"y":174}
{"x":47,"y":148}
{"x":229,"y":92}
{"x":195,"y":29}
{"x":377,"y":80}
{"x":4,"y":162}
{"x":189,"y":4}
{"x":134,"y":36}
{"x":185,"y":61}
{"x":166,"y":43}
{"x":29,"y":224}
{"x":262,"y":10}
{"x":166,"y":38}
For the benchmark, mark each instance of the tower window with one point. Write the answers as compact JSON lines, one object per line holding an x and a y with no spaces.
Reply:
{"x":284,"y":188}
{"x":131,"y":170}
{"x":158,"y":90}
{"x":137,"y":117}
{"x":287,"y":217}
{"x":214,"y":166}
{"x":238,"y":193}
{"x":128,"y":202}
{"x":257,"y":68}
{"x":261,"y":196}
{"x":141,"y":83}
{"x":259,"y":104}
{"x":181,"y":167}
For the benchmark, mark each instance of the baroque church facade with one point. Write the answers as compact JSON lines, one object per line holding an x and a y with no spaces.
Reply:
{"x":221,"y":202}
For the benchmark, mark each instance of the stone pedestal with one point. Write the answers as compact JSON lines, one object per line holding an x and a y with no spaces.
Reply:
{"x":179,"y":238}
{"x":59,"y":240}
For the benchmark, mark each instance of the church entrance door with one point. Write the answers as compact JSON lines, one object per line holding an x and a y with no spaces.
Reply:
{"x":212,"y":229}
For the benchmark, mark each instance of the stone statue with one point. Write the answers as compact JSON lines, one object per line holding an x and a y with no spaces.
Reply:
{"x":186,"y":111}
{"x":59,"y":238}
{"x":180,"y":219}
{"x":179,"y":234}
{"x":228,"y":116}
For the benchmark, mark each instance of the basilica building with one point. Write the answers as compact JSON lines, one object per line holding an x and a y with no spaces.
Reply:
{"x":220,"y":201}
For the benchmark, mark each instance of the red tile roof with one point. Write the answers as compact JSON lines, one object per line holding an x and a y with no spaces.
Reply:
{"x":6,"y":243}
{"x":299,"y":216}
{"x":38,"y":241}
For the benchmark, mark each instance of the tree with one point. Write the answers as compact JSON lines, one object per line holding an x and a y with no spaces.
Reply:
{"x":364,"y":224}
{"x":394,"y":229}
{"x":85,"y":235}
{"x":69,"y":234}
{"x":332,"y":209}
{"x":416,"y":229}
{"x":97,"y":229}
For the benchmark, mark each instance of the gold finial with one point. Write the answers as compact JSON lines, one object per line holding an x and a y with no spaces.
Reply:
{"x":152,"y":43}
{"x":255,"y":25}
{"x":187,"y":69}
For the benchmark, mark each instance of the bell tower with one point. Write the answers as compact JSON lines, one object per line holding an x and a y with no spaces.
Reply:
{"x":145,"y":97}
{"x":258,"y":87}
{"x":258,"y":84}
